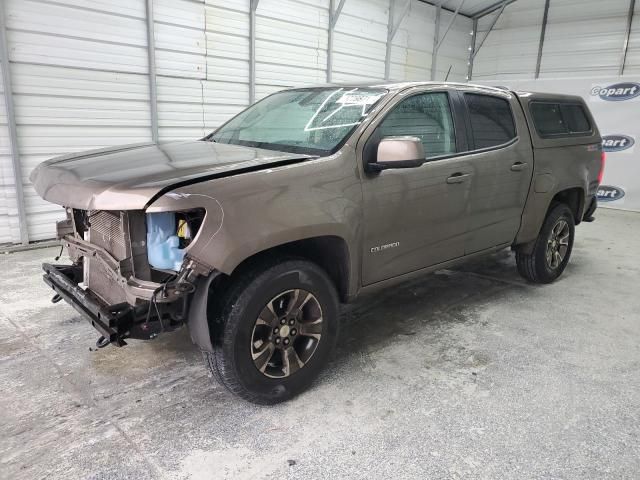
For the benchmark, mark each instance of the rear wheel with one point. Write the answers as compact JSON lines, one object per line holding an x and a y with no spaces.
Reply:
{"x":552,"y":248}
{"x":277,"y":326}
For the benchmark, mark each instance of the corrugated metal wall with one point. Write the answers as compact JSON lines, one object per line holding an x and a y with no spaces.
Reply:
{"x":411,"y":54}
{"x":511,"y":49}
{"x":583,"y":38}
{"x":632,"y":65}
{"x":9,"y":232}
{"x":80,"y":75}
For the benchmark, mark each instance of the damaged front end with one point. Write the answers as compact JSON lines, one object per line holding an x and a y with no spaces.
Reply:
{"x":131,"y":275}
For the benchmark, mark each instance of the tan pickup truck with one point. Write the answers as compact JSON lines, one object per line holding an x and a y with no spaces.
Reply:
{"x":254,"y":235}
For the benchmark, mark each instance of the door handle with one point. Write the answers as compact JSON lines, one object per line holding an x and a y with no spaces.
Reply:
{"x":518,"y":167}
{"x":458,"y":178}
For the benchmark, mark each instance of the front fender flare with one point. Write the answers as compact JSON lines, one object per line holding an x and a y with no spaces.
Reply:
{"x":198,"y":320}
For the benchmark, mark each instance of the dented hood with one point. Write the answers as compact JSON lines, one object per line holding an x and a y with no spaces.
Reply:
{"x":130,"y":176}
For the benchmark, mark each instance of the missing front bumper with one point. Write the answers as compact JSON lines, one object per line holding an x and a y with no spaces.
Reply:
{"x":114,"y":322}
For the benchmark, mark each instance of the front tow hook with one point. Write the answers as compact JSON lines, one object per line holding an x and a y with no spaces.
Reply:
{"x":102,"y":342}
{"x":56,"y":298}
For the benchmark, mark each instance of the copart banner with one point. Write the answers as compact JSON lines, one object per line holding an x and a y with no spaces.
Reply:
{"x":615,"y":105}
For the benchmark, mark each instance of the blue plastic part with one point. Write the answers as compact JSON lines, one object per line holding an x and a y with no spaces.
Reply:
{"x":163,"y":244}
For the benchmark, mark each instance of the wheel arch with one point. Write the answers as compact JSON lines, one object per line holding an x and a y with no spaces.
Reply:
{"x":329,"y":252}
{"x":539,"y":208}
{"x":574,"y":198}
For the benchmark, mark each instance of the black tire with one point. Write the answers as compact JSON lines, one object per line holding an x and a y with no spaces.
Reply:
{"x":536,"y":266}
{"x":235,"y":325}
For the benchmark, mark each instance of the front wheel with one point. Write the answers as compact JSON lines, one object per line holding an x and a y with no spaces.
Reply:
{"x":277,"y":326}
{"x":552,"y":248}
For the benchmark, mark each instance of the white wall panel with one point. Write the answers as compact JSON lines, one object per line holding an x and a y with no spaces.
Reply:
{"x":583,"y":38}
{"x":454,"y":52}
{"x":9,"y":223}
{"x":76,"y":67}
{"x":181,"y":66}
{"x":361,"y":36}
{"x":291,"y":43}
{"x":225,"y":92}
{"x":413,"y":44}
{"x":360,"y":41}
{"x":512,"y":46}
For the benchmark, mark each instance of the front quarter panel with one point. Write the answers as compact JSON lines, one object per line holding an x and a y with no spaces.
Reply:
{"x":251,"y":212}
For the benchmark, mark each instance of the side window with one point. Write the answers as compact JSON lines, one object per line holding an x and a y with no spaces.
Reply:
{"x":426,"y":116}
{"x":491,"y":120}
{"x":576,"y":118}
{"x":559,"y":119}
{"x":548,"y":119}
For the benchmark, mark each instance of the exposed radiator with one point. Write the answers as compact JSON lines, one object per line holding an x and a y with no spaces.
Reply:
{"x":107,"y":230}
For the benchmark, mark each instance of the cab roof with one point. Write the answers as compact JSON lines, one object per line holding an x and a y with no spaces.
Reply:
{"x":397,"y":86}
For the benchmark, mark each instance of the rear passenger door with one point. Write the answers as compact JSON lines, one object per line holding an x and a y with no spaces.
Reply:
{"x":501,"y":159}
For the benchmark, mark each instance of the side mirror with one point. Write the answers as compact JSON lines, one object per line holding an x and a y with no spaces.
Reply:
{"x":398,"y":152}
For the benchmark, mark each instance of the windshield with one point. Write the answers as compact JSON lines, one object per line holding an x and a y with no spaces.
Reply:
{"x":312,"y":121}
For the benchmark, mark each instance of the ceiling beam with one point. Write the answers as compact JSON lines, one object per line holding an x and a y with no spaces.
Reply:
{"x":439,"y":4}
{"x":490,"y":9}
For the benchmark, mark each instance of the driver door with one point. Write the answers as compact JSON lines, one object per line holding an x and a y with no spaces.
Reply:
{"x":416,"y":217}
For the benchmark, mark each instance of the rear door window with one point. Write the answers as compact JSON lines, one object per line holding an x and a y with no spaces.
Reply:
{"x":491,"y":120}
{"x":559,"y":119}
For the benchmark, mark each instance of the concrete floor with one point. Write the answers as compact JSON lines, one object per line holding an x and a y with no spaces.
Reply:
{"x":469,"y":373}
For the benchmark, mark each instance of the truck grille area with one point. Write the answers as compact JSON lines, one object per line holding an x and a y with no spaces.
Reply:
{"x":107,"y":230}
{"x":122,"y":234}
{"x":99,"y":282}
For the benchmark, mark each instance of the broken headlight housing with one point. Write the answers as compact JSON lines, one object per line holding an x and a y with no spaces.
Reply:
{"x":169,"y":234}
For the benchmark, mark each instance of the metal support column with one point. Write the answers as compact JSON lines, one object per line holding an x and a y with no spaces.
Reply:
{"x":387,"y":55}
{"x":253,"y":6}
{"x":392,"y":28}
{"x":436,"y":38}
{"x":151,"y":64}
{"x":13,"y":134}
{"x":543,"y":31}
{"x":437,"y":41}
{"x":625,"y":45}
{"x":472,"y":49}
{"x":333,"y":19}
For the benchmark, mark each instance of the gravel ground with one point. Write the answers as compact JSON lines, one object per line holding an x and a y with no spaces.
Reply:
{"x":467,"y":373}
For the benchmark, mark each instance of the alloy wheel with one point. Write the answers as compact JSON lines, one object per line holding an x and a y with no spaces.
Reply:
{"x":558,"y":244}
{"x":287,"y":333}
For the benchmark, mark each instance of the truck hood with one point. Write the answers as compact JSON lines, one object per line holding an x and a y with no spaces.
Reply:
{"x":130,"y":176}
